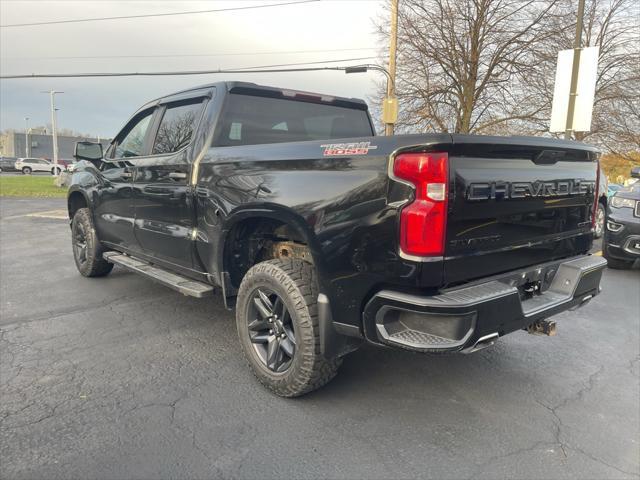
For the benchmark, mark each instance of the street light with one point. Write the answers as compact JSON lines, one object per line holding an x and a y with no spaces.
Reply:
{"x":54,"y":133}
{"x":390,"y":102}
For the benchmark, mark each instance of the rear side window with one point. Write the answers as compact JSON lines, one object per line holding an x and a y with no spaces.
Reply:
{"x":252,"y":120}
{"x":177,"y":126}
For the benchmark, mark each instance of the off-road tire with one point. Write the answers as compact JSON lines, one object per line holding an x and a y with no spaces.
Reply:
{"x":93,"y":265}
{"x":26,"y":170}
{"x":616,"y":263}
{"x":294,"y":281}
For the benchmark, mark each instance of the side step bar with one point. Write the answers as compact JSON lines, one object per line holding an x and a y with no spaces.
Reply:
{"x":177,"y":282}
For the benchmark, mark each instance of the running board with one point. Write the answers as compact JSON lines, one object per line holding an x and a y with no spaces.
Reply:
{"x":182,"y":284}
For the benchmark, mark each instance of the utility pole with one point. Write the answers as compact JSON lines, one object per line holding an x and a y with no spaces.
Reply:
{"x":54,"y":133}
{"x":26,"y":137}
{"x":390,"y":105}
{"x":577,"y":47}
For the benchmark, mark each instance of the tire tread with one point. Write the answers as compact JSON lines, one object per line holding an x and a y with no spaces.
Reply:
{"x":299,"y":280}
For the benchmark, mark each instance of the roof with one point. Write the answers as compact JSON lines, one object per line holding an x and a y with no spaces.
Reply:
{"x":264,"y":90}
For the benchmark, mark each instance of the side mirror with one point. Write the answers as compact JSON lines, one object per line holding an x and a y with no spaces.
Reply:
{"x":88,"y":151}
{"x":635,"y":172}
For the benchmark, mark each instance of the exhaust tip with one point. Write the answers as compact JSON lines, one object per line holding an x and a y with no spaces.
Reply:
{"x":482,"y":343}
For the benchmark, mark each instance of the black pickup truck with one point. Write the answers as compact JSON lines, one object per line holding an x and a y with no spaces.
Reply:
{"x":324,"y":236}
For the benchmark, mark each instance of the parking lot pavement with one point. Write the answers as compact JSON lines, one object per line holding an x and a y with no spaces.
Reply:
{"x":122,"y":378}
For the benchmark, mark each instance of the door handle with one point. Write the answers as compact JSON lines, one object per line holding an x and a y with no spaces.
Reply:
{"x":126,"y":175}
{"x":177,"y":175}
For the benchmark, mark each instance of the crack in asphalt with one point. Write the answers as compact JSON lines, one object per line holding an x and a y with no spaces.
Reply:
{"x":590,"y":384}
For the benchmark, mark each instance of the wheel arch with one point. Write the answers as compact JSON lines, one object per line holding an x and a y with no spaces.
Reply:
{"x":76,"y":200}
{"x":248,"y":232}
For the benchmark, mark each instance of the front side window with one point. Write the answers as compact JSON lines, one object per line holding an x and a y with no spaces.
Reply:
{"x":132,"y":144}
{"x":177,"y":126}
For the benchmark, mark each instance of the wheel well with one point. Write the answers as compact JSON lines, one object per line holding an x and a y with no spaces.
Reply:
{"x":75,"y":202}
{"x":255,"y":240}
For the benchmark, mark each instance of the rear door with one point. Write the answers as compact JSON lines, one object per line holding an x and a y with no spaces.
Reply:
{"x":40,"y":165}
{"x":164,"y":211}
{"x":516,"y":202}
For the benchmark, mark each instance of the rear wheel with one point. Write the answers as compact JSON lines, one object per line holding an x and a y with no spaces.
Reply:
{"x":26,"y":171}
{"x":55,"y":171}
{"x":87,"y":250}
{"x":277,"y":321}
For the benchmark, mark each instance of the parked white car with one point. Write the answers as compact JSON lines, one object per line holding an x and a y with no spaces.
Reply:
{"x":30,"y":165}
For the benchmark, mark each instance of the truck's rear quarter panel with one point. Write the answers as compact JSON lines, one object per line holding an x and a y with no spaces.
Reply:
{"x":340,"y":201}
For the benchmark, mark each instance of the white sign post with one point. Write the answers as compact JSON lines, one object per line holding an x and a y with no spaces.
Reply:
{"x":585,"y":91}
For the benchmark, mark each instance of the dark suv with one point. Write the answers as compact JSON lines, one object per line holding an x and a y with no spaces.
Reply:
{"x":621,"y":246}
{"x":7,"y":164}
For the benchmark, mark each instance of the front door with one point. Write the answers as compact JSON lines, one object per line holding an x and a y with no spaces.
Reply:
{"x":114,"y":214}
{"x":164,"y":210}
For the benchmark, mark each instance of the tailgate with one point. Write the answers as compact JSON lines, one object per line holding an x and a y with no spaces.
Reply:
{"x":515,"y":202}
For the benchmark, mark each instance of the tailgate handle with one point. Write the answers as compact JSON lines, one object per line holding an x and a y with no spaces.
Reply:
{"x":547,"y":157}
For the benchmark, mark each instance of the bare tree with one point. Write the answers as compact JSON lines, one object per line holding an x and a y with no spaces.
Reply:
{"x":612,"y":26}
{"x":459,"y":61}
{"x":488,"y":66}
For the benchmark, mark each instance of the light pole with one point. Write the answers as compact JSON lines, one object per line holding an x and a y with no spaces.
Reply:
{"x":390,"y":101}
{"x":26,"y":137}
{"x":390,"y":106}
{"x":54,"y":133}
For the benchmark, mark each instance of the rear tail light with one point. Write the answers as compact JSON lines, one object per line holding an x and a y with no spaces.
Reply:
{"x":423,"y":222}
{"x":596,"y":194}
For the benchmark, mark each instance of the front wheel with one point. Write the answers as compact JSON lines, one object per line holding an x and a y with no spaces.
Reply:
{"x":26,"y":171}
{"x":87,"y":250}
{"x":277,"y":322}
{"x":600,"y":220}
{"x":616,"y":263}
{"x":55,"y":171}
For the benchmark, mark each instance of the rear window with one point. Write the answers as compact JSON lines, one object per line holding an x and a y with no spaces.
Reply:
{"x":177,"y":126}
{"x":253,"y":120}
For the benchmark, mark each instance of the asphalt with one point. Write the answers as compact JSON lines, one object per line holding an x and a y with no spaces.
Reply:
{"x":122,"y":378}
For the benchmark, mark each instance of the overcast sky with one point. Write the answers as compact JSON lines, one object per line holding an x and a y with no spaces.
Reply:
{"x":341,"y":28}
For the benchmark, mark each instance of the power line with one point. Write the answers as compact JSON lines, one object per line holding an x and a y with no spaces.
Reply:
{"x":256,"y":69}
{"x":275,"y":52}
{"x":305,"y":63}
{"x":168,"y":74}
{"x":168,"y":14}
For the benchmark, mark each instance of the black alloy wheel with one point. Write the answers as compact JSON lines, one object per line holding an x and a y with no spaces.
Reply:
{"x":271,"y":330}
{"x":79,"y":243}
